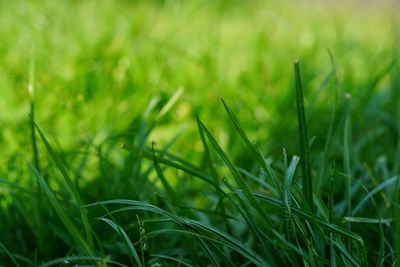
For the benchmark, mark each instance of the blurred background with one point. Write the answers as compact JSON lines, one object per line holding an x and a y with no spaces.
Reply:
{"x":99,"y":64}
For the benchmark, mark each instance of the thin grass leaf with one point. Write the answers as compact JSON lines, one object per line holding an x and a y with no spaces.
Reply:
{"x":244,"y":210}
{"x":287,"y":196}
{"x":368,"y":220}
{"x":177,"y":164}
{"x":209,"y":163}
{"x":255,"y":152}
{"x":171,"y":192}
{"x":344,"y":251}
{"x":203,"y":242}
{"x":127,"y":241}
{"x":70,"y":186}
{"x":305,"y":155}
{"x":298,"y":212}
{"x":332,"y":177}
{"x":209,"y":251}
{"x":332,"y":253}
{"x":65,"y":219}
{"x":236,"y":175}
{"x":377,"y":189}
{"x":224,"y":238}
{"x":171,"y":102}
{"x":178,"y":261}
{"x":346,"y":154}
{"x":72,"y":259}
{"x":3,"y":248}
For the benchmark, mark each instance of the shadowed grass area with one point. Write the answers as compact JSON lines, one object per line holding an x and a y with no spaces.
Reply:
{"x":117,"y":151}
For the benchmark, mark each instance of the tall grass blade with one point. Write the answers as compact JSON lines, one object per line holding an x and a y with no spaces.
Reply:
{"x":305,"y":155}
{"x":236,"y":175}
{"x":69,"y":185}
{"x":213,"y":172}
{"x":346,"y":156}
{"x":31,"y":88}
{"x":65,"y":219}
{"x":255,"y":152}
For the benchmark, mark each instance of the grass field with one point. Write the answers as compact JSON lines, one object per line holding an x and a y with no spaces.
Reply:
{"x":199,"y":133}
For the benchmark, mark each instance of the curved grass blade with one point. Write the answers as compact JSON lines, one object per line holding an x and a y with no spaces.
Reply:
{"x":126,"y":239}
{"x":226,"y":239}
{"x":374,"y":191}
{"x":180,"y":262}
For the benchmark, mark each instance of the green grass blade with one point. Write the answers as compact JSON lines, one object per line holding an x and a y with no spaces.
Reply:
{"x":127,"y":241}
{"x":236,"y":175}
{"x":224,"y":238}
{"x":65,"y":219}
{"x":305,"y":155}
{"x":368,"y":220}
{"x":346,"y":153}
{"x":178,"y":164}
{"x":3,"y":248}
{"x":72,"y":259}
{"x":171,"y":102}
{"x":377,"y":189}
{"x":69,"y":184}
{"x":287,"y":197}
{"x":255,"y":152}
{"x":180,"y":262}
{"x":309,"y":217}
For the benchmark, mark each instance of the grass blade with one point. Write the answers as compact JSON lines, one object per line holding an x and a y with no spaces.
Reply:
{"x":126,"y":239}
{"x":346,"y":157}
{"x":236,"y":175}
{"x":256,"y":153}
{"x":305,"y":155}
{"x":219,"y":235}
{"x":69,"y":185}
{"x":2,"y":247}
{"x":66,"y":220}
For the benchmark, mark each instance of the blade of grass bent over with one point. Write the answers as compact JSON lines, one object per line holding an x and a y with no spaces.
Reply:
{"x":127,"y":241}
{"x":216,"y":233}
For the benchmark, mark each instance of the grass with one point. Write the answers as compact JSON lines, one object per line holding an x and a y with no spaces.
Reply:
{"x":117,"y":152}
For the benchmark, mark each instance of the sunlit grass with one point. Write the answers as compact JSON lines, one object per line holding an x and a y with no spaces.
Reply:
{"x":117,"y":150}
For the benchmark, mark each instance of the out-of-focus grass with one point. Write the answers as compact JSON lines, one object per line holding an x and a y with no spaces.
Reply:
{"x":104,"y":60}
